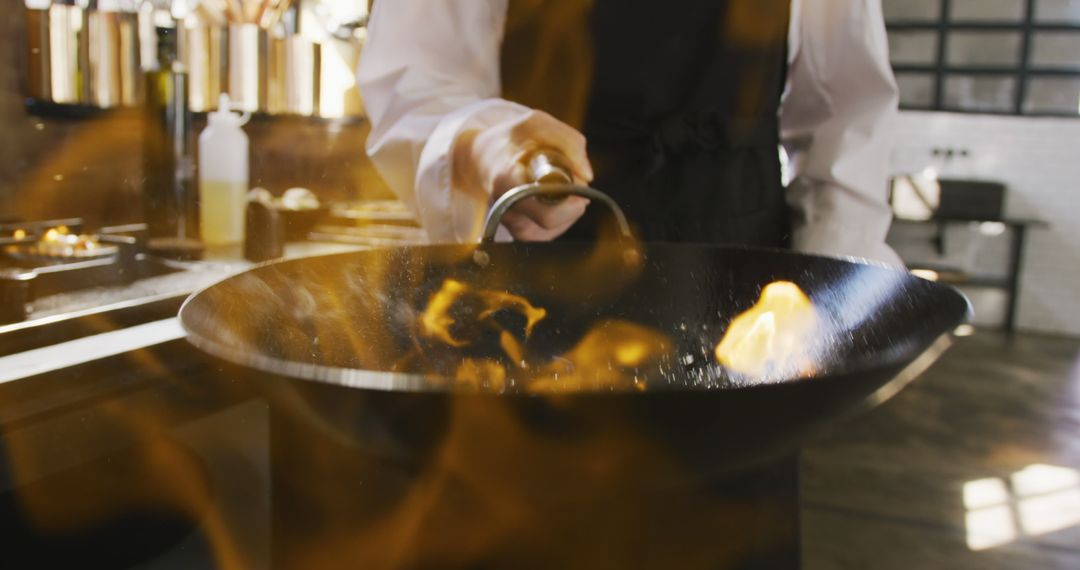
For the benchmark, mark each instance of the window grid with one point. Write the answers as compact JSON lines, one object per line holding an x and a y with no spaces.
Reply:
{"x":1023,"y":72}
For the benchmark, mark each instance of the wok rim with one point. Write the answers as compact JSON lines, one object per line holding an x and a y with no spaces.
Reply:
{"x":380,"y":380}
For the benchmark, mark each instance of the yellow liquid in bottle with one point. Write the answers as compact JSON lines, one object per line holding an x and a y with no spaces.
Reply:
{"x":221,"y":212}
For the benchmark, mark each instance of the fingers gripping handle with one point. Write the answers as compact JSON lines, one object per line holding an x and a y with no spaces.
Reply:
{"x":547,"y":168}
{"x":550,"y":182}
{"x":558,"y":191}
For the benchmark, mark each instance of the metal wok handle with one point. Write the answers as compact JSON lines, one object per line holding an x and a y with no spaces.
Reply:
{"x":550,"y":183}
{"x":519,"y":193}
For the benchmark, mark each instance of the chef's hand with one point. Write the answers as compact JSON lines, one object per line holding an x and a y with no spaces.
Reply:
{"x":494,"y":159}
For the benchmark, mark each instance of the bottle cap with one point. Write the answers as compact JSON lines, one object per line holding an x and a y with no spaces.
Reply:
{"x":224,"y":114}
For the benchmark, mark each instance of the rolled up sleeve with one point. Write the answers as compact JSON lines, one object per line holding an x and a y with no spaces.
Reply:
{"x":837,"y":128}
{"x":429,"y":71}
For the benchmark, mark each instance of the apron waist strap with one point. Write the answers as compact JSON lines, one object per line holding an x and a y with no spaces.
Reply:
{"x":686,"y":133}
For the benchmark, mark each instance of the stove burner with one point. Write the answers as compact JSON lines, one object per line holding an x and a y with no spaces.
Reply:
{"x":57,"y":246}
{"x":38,"y":259}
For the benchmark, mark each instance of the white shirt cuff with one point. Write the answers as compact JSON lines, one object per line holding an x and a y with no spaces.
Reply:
{"x":451,"y":215}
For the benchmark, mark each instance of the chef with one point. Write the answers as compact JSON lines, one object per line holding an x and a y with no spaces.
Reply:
{"x":679,"y":110}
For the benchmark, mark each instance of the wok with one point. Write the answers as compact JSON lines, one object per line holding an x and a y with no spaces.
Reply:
{"x":493,"y":474}
{"x":351,"y":320}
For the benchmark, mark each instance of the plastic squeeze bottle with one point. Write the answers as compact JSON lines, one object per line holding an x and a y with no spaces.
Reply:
{"x":223,"y":175}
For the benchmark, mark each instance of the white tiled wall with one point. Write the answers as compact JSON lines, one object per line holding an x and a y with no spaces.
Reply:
{"x":1039,"y":160}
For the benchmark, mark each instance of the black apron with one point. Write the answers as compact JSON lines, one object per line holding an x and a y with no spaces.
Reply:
{"x":678,"y":101}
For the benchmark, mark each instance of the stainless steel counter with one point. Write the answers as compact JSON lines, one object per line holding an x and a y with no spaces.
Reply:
{"x":80,"y":326}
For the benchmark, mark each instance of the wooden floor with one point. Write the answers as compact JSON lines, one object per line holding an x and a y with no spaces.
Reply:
{"x":975,"y":465}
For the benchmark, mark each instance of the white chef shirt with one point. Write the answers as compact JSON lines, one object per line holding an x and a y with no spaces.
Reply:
{"x":430,"y":70}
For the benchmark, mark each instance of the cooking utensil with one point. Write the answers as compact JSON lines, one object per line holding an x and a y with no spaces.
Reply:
{"x":273,"y":12}
{"x":204,"y":54}
{"x":247,"y":45}
{"x":351,"y":320}
{"x":210,"y":15}
{"x":338,"y":95}
{"x":103,"y":46}
{"x":490,"y":477}
{"x":130,"y":73}
{"x":292,"y":76}
{"x":67,"y":55}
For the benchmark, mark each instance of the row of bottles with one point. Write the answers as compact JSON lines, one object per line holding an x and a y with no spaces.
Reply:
{"x":94,"y":56}
{"x":176,"y":209}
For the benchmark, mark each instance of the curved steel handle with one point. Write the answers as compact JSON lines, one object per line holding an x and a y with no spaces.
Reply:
{"x":519,"y":193}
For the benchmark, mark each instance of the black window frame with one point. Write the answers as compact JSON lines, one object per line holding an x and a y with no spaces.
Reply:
{"x":1023,"y":72}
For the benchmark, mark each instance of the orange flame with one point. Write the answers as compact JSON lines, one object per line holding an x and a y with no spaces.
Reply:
{"x":480,"y":374}
{"x":497,"y":301}
{"x":436,"y":321}
{"x":770,"y":337}
{"x":512,"y":348}
{"x":606,"y":358}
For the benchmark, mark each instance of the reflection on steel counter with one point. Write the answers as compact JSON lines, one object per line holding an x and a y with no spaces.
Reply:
{"x":129,"y":461}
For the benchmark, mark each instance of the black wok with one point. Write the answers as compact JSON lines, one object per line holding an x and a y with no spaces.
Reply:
{"x":335,"y":339}
{"x":351,"y":320}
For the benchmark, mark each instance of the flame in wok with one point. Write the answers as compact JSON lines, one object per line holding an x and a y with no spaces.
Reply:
{"x":767,"y":341}
{"x":438,"y":319}
{"x":770,"y":338}
{"x":609,"y":356}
